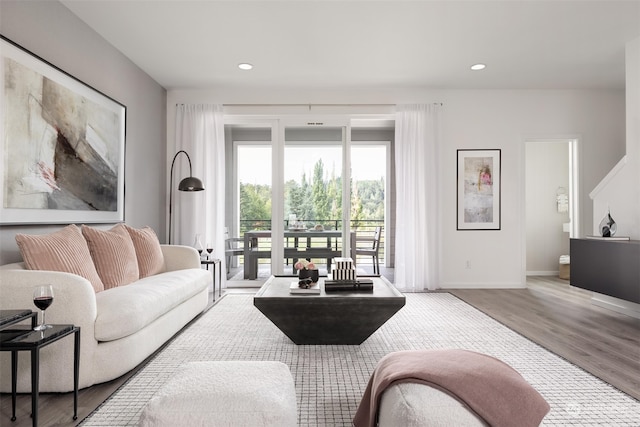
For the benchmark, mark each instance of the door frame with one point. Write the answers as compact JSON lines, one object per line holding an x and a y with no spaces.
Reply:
{"x":277,"y":205}
{"x":277,"y":122}
{"x":575,"y":178}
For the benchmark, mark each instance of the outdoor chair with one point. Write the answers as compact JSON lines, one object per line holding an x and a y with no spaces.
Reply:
{"x":371,"y":248}
{"x":234,"y":246}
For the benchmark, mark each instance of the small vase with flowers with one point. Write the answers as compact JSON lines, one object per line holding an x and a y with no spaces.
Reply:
{"x":307,"y":273}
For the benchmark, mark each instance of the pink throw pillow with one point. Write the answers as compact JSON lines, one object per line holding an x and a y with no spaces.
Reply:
{"x":65,"y":250}
{"x":113,"y":254}
{"x":148,"y":251}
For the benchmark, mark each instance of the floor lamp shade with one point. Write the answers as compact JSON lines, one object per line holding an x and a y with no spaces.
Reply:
{"x":190,"y":183}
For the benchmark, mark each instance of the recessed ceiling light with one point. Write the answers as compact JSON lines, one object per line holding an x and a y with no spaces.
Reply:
{"x":478,"y":67}
{"x":245,"y":66}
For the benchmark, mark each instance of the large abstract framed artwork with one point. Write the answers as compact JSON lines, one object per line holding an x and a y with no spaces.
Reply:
{"x":63,"y":145}
{"x":478,"y":199}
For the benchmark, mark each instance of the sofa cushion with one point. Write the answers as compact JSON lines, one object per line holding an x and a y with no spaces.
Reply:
{"x":64,"y":250}
{"x":113,"y":254}
{"x":148,"y":251}
{"x":125,"y":310}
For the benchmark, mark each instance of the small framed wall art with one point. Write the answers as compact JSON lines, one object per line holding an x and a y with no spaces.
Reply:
{"x":478,"y":189}
{"x":63,"y":145}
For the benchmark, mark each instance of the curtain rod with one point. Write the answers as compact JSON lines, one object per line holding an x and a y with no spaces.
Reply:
{"x":305,"y":105}
{"x":312,"y":105}
{"x":308,"y":105}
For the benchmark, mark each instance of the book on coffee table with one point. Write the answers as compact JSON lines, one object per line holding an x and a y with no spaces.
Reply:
{"x":294,"y":288}
{"x":348,"y":285}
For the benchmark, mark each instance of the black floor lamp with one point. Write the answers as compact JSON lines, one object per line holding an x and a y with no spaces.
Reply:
{"x":187,"y":184}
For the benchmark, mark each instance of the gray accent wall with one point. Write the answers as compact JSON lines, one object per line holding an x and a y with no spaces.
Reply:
{"x":51,"y":31}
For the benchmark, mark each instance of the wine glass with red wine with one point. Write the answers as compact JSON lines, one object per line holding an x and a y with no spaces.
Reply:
{"x":42,"y":298}
{"x":209,"y":250}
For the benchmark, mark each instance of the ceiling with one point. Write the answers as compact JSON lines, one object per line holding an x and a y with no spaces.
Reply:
{"x":360,"y":44}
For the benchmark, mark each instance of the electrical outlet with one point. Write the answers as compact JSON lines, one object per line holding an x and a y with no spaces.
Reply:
{"x":467,"y":264}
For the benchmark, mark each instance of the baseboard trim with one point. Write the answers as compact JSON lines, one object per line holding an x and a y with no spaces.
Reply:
{"x":245,"y":283}
{"x":478,"y":285}
{"x":614,"y":304}
{"x":543,"y":273}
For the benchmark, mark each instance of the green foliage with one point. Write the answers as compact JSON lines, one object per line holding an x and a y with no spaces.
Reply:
{"x":319,"y":193}
{"x":319,"y":200}
{"x":306,"y":208}
{"x":371,"y":194}
{"x":356,"y":209}
{"x":334,"y":196}
{"x":255,"y":202}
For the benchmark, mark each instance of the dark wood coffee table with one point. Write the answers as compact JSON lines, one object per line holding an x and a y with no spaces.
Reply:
{"x":344,"y":318}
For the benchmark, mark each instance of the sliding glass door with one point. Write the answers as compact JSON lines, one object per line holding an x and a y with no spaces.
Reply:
{"x":370,"y":186}
{"x":254,"y":191}
{"x":313,"y":202}
{"x":301,"y":191}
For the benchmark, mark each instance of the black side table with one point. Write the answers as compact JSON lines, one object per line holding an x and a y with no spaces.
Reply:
{"x":9,"y":317}
{"x":214,"y":262}
{"x":15,"y":340}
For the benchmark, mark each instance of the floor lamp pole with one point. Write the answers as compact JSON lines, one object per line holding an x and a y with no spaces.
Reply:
{"x":187,"y":184}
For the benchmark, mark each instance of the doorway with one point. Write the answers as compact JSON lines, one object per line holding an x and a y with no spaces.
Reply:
{"x":551,"y":203}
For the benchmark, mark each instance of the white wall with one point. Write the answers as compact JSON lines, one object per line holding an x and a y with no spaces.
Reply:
{"x":51,"y":31}
{"x":547,"y":170}
{"x":505,"y":119}
{"x":621,"y":190}
{"x":478,"y":119}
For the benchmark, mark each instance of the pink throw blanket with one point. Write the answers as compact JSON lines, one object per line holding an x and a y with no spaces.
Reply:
{"x":491,"y":388}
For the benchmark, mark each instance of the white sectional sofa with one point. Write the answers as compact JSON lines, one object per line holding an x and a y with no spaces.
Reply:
{"x":120,"y":326}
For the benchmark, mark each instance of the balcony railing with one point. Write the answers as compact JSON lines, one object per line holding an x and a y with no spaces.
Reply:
{"x":332,"y":224}
{"x":364,"y":227}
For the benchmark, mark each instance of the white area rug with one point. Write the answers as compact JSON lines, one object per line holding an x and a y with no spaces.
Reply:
{"x":330,"y":380}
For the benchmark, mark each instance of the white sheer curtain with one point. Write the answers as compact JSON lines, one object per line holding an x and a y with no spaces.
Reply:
{"x":417,"y":235}
{"x":200,"y":132}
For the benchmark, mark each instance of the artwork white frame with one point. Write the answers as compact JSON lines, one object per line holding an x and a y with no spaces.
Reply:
{"x":63,"y":145}
{"x":478,"y":201}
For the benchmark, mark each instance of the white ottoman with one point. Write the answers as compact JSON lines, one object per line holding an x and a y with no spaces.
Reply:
{"x":418,"y":405}
{"x":229,"y":393}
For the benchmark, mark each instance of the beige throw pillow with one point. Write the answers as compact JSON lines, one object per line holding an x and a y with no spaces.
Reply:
{"x":113,"y":254}
{"x":148,"y":251}
{"x":65,"y":250}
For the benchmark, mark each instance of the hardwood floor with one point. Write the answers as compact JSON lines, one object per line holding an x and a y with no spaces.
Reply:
{"x":550,"y":312}
{"x":562,"y":319}
{"x":56,"y":409}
